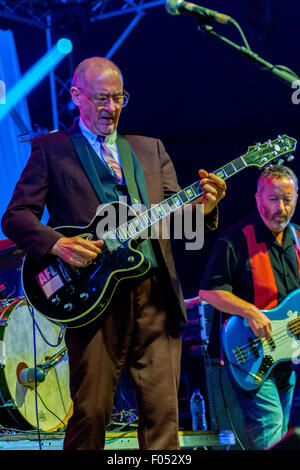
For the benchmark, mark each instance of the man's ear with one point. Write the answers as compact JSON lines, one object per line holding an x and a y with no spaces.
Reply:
{"x":75,"y":93}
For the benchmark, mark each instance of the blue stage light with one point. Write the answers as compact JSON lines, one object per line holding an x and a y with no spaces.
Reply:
{"x":64,"y":46}
{"x":35,"y":75}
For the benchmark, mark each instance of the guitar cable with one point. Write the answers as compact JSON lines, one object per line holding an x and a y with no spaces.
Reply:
{"x":60,"y":338}
{"x":35,"y":378}
{"x":246,"y":372}
{"x":60,"y":335}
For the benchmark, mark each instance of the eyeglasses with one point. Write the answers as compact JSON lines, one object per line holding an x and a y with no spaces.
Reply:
{"x":102,"y":100}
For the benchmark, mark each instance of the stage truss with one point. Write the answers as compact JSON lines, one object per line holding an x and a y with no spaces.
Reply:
{"x":42,"y":14}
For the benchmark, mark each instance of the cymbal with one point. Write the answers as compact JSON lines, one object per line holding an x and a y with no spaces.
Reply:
{"x":10,"y":255}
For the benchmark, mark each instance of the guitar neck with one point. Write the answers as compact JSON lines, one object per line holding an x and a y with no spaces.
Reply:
{"x":146,"y":219}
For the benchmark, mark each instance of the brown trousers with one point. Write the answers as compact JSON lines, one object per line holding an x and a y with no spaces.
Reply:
{"x":139,"y":333}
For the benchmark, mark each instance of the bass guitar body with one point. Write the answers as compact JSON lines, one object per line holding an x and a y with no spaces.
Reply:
{"x":251,"y":359}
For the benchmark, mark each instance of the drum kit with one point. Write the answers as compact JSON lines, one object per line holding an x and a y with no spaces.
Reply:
{"x":34,"y":369}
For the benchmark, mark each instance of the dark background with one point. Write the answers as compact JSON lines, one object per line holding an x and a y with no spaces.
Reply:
{"x":206,"y":102}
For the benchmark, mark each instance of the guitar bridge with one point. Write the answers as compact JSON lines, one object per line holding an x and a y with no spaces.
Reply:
{"x":64,"y":269}
{"x":267,"y":362}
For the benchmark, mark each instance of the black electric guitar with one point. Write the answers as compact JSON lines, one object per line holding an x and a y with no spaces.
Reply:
{"x":76,"y":296}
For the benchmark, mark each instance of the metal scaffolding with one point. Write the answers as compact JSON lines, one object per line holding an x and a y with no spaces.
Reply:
{"x":45,"y":15}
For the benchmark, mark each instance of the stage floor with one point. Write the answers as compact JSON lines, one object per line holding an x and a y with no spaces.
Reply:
{"x":126,"y":440}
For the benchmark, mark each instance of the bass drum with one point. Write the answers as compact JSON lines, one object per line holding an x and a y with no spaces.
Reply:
{"x":26,"y":337}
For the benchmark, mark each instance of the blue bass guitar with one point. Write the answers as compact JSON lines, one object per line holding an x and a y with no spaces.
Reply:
{"x":250,"y":358}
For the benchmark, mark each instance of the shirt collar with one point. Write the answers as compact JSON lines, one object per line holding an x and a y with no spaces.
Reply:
{"x":109,"y":139}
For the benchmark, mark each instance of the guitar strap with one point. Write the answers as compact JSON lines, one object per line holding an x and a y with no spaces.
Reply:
{"x":295,"y":236}
{"x":126,"y":157}
{"x":133,"y":173}
{"x":265,"y":289}
{"x":136,"y":187}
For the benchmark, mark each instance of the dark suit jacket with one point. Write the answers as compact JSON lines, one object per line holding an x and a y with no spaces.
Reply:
{"x":54,"y":176}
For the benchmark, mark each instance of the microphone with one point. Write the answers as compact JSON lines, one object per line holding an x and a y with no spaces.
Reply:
{"x":26,"y":375}
{"x":177,"y":7}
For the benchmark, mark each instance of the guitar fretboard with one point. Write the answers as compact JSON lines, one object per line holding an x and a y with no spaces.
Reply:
{"x":258,"y":155}
{"x":146,"y":219}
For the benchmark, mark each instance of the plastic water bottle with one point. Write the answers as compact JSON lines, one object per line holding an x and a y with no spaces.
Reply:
{"x":197,"y":405}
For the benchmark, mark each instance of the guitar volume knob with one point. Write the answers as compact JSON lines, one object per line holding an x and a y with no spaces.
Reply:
{"x":70,"y":289}
{"x":55,"y":300}
{"x":84,"y":296}
{"x":68,"y":306}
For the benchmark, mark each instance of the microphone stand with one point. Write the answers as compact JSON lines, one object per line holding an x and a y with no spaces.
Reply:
{"x":282,"y":73}
{"x":53,"y":360}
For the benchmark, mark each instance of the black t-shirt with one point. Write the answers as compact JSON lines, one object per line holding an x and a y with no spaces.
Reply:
{"x":229,"y":267}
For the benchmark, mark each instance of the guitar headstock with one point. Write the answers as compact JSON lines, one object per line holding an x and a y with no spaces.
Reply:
{"x":272,"y":151}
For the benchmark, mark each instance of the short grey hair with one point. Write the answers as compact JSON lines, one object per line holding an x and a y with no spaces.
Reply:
{"x":276,"y":172}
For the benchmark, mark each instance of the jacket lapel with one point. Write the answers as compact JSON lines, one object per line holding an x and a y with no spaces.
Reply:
{"x":133,"y":172}
{"x":83,"y":151}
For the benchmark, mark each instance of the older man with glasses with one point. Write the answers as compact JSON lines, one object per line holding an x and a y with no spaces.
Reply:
{"x":72,"y":173}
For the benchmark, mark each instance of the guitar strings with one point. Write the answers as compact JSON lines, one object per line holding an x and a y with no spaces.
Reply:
{"x":250,"y":348}
{"x":294,"y":329}
{"x":293,"y":326}
{"x":279,"y":338}
{"x":142,"y":221}
{"x":243,"y":356}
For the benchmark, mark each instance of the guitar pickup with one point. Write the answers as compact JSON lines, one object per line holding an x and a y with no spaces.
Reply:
{"x":239,"y":355}
{"x":272,"y":344}
{"x":111,"y":241}
{"x":253,"y":347}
